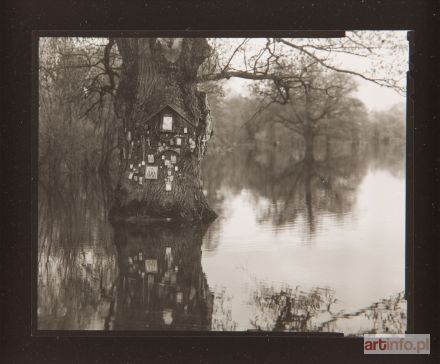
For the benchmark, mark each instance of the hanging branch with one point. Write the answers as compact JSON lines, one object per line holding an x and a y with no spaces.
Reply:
{"x":377,"y":81}
{"x":96,"y":86}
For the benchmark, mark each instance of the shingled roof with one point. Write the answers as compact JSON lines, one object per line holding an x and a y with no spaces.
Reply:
{"x":176,"y":109}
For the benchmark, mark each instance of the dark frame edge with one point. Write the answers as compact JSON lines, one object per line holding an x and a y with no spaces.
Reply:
{"x":409,"y":205}
{"x":409,"y":161}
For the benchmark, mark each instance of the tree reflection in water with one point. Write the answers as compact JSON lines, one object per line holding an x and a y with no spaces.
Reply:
{"x":298,"y":187}
{"x":317,"y":310}
{"x":161,"y":284}
{"x":77,"y":268}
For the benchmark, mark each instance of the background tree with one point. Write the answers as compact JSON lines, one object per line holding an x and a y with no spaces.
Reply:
{"x":388,"y":125}
{"x":378,"y":57}
{"x":281,"y":69}
{"x":77,"y":124}
{"x":320,"y":105}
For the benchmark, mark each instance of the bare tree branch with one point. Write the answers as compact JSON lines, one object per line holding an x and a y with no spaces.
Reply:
{"x":379,"y":81}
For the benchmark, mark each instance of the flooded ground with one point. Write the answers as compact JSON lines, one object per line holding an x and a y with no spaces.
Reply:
{"x":299,"y":245}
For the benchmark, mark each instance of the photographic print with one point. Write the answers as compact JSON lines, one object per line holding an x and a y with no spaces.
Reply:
{"x":222,"y":184}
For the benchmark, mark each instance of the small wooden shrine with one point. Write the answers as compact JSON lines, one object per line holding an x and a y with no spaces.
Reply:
{"x":157,"y":144}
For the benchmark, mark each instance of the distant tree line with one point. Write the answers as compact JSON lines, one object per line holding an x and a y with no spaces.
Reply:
{"x":326,"y":119}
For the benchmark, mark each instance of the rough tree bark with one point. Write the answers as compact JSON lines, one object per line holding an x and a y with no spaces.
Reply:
{"x":156,"y":72}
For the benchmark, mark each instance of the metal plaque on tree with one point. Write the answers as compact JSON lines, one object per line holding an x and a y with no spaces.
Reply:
{"x":151,"y":172}
{"x":167,"y":123}
{"x":151,"y":265}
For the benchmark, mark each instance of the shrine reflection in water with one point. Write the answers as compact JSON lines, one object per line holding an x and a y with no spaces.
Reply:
{"x":299,"y":245}
{"x":161,"y":281}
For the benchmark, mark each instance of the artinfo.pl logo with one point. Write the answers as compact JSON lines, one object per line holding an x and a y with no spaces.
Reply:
{"x":396,"y":343}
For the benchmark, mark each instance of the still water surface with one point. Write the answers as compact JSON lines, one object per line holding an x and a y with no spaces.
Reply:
{"x":299,"y":245}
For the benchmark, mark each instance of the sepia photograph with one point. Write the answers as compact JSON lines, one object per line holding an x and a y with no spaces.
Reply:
{"x":223,"y":184}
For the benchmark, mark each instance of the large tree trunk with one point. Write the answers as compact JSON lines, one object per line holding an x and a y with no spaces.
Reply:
{"x":157,"y":72}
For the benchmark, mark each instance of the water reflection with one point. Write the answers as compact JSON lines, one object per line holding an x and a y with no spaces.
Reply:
{"x":305,"y":228}
{"x":299,"y":245}
{"x":161,"y":284}
{"x":318,"y":310}
{"x":77,"y":268}
{"x":290,"y":309}
{"x":294,"y":185}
